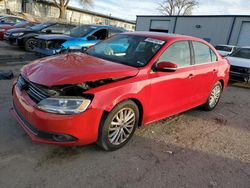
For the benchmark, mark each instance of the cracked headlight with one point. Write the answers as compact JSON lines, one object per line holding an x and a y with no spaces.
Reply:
{"x":17,"y":34}
{"x":64,"y":105}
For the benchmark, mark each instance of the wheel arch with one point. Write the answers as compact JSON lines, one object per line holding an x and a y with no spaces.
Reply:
{"x":135,"y":100}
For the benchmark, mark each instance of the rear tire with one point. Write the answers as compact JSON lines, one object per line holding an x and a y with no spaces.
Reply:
{"x":117,"y":128}
{"x":214,"y":97}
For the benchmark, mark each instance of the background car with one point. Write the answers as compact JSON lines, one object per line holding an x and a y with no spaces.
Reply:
{"x":10,"y":20}
{"x":5,"y":28}
{"x":105,"y":94}
{"x":78,"y":39}
{"x":240,"y":65}
{"x":225,"y":50}
{"x":25,"y":37}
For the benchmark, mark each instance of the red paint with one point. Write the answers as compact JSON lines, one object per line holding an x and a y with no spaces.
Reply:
{"x":4,"y":28}
{"x":74,"y":68}
{"x":161,"y":94}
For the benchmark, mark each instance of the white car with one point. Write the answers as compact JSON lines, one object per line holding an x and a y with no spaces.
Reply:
{"x":240,"y":65}
{"x":225,"y":50}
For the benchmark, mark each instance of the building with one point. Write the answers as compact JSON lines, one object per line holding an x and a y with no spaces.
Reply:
{"x":233,"y":30}
{"x":45,"y":10}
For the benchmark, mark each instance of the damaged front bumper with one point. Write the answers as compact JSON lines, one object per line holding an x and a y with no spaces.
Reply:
{"x":47,"y":51}
{"x":240,"y":74}
{"x":44,"y":127}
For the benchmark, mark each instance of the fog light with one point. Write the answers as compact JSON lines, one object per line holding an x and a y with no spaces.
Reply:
{"x":63,"y":138}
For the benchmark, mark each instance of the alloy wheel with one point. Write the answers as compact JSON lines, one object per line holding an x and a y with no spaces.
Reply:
{"x":214,"y":96}
{"x":121,"y":126}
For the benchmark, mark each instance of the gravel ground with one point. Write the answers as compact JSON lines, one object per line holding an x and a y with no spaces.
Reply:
{"x":193,"y":149}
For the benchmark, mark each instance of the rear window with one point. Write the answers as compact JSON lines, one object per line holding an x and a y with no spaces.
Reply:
{"x":203,"y":53}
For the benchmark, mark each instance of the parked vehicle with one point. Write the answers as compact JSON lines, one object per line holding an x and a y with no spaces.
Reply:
{"x":25,"y":37}
{"x":79,"y":39}
{"x":10,"y":20}
{"x":225,"y":50}
{"x":104,"y":95}
{"x":240,"y":65}
{"x":5,"y":28}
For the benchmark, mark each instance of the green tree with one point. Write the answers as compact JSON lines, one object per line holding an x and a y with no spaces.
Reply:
{"x":63,"y":5}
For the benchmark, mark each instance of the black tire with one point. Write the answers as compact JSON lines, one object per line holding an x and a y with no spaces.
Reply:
{"x":208,"y":106}
{"x":106,"y":129}
{"x":29,"y":44}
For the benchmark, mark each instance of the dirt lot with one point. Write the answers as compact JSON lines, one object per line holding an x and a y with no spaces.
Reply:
{"x":193,"y":149}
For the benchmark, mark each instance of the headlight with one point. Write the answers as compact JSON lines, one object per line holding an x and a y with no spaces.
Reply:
{"x":64,"y":105}
{"x":17,"y":34}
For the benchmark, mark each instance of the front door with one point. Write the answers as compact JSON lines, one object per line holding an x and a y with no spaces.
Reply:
{"x":172,"y":92}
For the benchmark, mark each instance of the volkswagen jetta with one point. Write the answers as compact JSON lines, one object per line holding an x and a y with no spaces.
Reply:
{"x":125,"y":82}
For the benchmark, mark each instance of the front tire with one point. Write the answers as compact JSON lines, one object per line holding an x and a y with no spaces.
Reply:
{"x":29,"y":44}
{"x":118,"y":126}
{"x":214,"y":97}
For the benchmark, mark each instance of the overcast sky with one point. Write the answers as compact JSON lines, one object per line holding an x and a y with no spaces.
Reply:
{"x":128,"y":9}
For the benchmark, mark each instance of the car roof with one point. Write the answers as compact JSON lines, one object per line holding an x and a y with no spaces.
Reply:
{"x":163,"y":36}
{"x":224,"y":45}
{"x":10,"y":16}
{"x":95,"y":25}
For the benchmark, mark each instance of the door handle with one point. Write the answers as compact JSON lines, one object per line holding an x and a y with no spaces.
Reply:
{"x":190,"y":76}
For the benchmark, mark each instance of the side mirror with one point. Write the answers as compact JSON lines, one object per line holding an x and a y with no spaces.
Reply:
{"x":166,"y":67}
{"x":92,"y":37}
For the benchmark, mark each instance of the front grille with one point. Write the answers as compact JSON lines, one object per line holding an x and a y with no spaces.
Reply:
{"x":35,"y":91}
{"x":239,"y":69}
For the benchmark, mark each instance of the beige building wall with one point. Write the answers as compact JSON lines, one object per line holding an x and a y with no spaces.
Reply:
{"x":77,"y":17}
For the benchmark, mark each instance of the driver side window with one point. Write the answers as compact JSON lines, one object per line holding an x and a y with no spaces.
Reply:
{"x":57,"y":28}
{"x":101,"y":34}
{"x":177,"y":53}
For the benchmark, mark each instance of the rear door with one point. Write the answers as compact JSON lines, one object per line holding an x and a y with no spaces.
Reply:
{"x":206,"y":68}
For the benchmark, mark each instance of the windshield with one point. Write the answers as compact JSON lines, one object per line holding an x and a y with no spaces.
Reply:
{"x":224,"y":48}
{"x":39,"y":27}
{"x":242,"y":53}
{"x":21,"y":24}
{"x":130,"y":50}
{"x":81,"y":31}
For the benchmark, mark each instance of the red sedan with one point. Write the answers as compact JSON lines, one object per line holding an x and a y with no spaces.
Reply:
{"x":4,"y":28}
{"x":123,"y":83}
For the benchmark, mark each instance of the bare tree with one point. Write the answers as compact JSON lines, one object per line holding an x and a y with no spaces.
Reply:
{"x":63,"y":5}
{"x":177,"y":7}
{"x":5,"y":4}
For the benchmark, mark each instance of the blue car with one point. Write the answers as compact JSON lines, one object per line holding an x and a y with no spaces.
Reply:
{"x":78,"y":39}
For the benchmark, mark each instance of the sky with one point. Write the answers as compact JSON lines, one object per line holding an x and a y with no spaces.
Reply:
{"x":128,"y":9}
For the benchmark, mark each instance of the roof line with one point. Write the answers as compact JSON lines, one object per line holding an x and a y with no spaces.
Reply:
{"x":193,"y":16}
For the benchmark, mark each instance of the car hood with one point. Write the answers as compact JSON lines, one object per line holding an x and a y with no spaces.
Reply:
{"x":223,"y":53}
{"x":79,"y":43}
{"x":240,"y":62}
{"x":74,"y":68}
{"x":6,"y":26}
{"x":19,"y":30}
{"x":54,"y":37}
